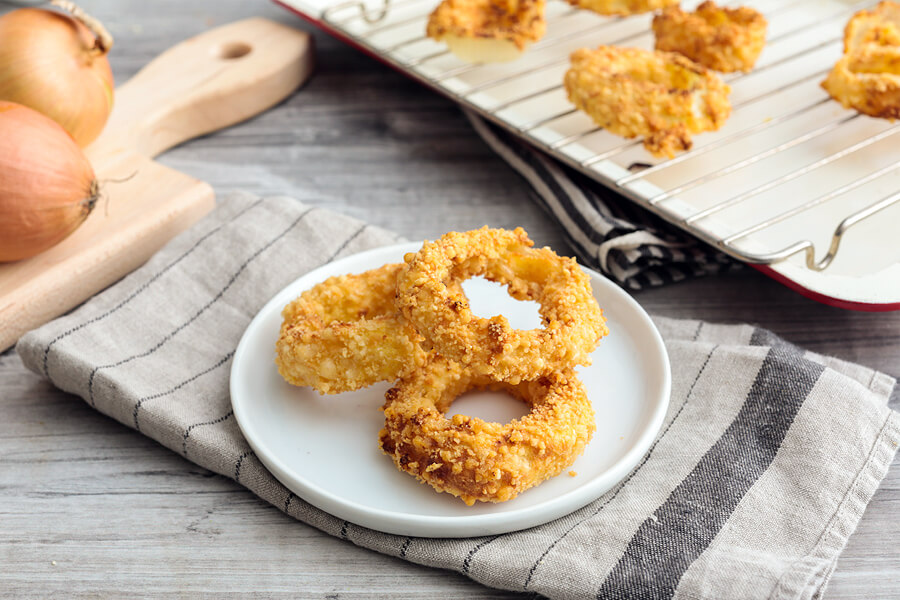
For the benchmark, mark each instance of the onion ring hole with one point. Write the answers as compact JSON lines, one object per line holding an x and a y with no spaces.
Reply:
{"x":488,"y":299}
{"x":493,"y":407}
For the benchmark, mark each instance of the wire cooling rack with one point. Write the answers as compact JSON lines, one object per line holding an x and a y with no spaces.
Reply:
{"x":792,"y":180}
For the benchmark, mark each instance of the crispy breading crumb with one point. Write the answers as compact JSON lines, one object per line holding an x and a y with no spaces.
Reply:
{"x":722,"y":39}
{"x":573,"y":473}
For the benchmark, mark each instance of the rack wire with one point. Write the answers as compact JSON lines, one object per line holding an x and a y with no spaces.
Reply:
{"x":790,"y":172}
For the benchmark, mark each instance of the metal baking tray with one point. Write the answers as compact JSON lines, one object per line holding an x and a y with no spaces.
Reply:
{"x":793,"y":184}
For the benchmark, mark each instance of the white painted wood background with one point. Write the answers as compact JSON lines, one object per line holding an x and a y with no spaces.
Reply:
{"x":91,"y":508}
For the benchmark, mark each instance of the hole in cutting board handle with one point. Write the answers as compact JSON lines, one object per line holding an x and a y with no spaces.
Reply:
{"x":233,"y":50}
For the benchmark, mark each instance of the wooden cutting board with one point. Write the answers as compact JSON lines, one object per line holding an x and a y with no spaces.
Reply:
{"x":201,"y":85}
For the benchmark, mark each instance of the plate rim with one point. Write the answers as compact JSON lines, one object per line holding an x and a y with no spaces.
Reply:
{"x":397,"y":523}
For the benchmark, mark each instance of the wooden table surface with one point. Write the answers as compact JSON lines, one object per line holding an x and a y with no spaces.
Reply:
{"x":90,"y":507}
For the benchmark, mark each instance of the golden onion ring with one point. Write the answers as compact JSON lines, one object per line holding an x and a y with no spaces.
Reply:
{"x":478,"y":460}
{"x":722,"y":39}
{"x":572,"y":321}
{"x":662,"y":96}
{"x":346,"y":333}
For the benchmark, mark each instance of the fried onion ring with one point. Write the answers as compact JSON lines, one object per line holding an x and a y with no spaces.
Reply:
{"x":868,"y":79}
{"x":662,"y":96}
{"x":622,"y":7}
{"x":346,"y":333}
{"x":478,"y":460}
{"x":573,"y":322}
{"x":879,"y":26}
{"x":722,"y":39}
{"x":481,"y":31}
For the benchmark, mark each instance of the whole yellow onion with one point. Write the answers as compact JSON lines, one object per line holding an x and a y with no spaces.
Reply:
{"x":47,"y":185}
{"x":55,"y":64}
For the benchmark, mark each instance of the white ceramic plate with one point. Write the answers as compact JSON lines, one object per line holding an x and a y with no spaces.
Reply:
{"x":325,"y":448}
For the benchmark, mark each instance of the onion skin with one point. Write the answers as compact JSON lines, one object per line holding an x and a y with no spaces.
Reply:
{"x":49,"y":62}
{"x":47,"y":185}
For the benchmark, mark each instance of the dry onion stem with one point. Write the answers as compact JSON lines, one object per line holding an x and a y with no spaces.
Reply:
{"x":56,"y":64}
{"x":104,"y":39}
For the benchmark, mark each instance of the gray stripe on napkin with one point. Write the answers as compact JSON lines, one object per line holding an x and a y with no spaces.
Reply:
{"x":680,"y":530}
{"x":743,"y":548}
{"x":676,"y":453}
{"x":763,"y":467}
{"x":207,"y":228}
{"x":206,"y":310}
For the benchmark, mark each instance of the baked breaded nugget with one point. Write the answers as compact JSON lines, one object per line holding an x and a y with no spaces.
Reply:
{"x":723,"y":39}
{"x":880,"y":26}
{"x":868,"y":79}
{"x":622,"y":7}
{"x":662,"y":96}
{"x":487,"y":30}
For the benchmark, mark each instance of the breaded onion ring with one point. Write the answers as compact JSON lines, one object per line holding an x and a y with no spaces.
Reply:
{"x":487,"y":30}
{"x":474,"y":459}
{"x":722,"y":39}
{"x":868,"y":80}
{"x":622,"y":7}
{"x":879,"y":26}
{"x":573,"y":323}
{"x":662,"y":96}
{"x":346,"y":333}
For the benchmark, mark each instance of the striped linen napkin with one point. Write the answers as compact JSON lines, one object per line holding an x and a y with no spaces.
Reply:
{"x":607,"y":231}
{"x":762,"y":469}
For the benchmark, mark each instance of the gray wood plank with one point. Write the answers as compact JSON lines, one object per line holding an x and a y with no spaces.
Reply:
{"x":89,"y":507}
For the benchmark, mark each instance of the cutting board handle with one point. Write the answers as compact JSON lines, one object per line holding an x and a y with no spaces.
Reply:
{"x":203,"y":84}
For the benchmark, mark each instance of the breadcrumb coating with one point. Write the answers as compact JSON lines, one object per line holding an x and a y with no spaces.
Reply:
{"x":518,"y":21}
{"x":346,"y":333}
{"x":879,"y":26}
{"x":572,"y":321}
{"x":662,"y":96}
{"x":478,"y":460}
{"x":722,"y":39}
{"x":622,"y":7}
{"x":867,"y":77}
